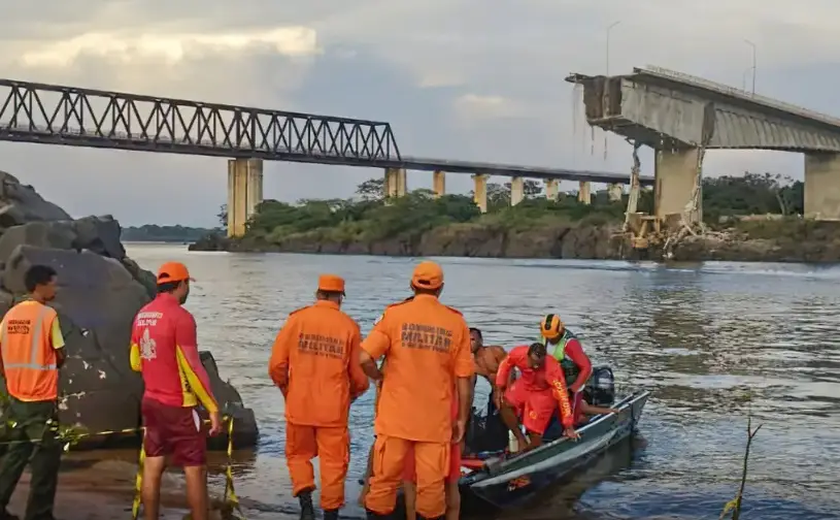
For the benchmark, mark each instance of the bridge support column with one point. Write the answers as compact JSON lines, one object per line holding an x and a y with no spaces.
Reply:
{"x":439,"y":183}
{"x":585,"y":193}
{"x":245,"y":193}
{"x":822,"y":186}
{"x":395,"y":182}
{"x":480,"y":191}
{"x":616,"y":191}
{"x":674,"y":178}
{"x":517,"y":190}
{"x":552,"y":189}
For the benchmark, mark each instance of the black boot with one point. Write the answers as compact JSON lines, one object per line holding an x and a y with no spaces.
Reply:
{"x":330,"y":514}
{"x":307,"y":511}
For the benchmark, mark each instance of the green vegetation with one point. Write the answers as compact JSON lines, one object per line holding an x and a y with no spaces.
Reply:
{"x":154,"y":233}
{"x":368,"y":217}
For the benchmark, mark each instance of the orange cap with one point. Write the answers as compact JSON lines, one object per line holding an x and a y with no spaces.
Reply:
{"x":331,"y":283}
{"x":427,"y":275}
{"x":173,"y":272}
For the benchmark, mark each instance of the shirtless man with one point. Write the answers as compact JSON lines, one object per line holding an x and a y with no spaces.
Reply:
{"x":487,"y":360}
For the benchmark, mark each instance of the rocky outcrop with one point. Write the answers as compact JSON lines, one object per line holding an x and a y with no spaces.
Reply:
{"x":770,"y":240}
{"x":469,"y":239}
{"x":100,"y":291}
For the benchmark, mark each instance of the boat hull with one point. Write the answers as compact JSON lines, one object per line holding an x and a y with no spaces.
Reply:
{"x":513,"y":481}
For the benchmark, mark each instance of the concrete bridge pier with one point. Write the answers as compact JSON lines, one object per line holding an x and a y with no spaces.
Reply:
{"x":822,"y":186}
{"x":616,"y":192}
{"x":439,"y":183}
{"x":245,"y":193}
{"x":585,"y":193}
{"x":395,"y":182}
{"x":552,"y":188}
{"x":480,"y":191}
{"x":674,"y":178}
{"x":517,"y":190}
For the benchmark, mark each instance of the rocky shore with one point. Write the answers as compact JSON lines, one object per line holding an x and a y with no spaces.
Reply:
{"x":767,"y":240}
{"x":100,"y":291}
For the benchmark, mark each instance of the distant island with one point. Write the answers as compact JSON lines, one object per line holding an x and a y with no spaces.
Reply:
{"x":155,"y":233}
{"x":749,"y":217}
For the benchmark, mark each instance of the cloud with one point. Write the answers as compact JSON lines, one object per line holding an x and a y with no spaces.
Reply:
{"x":169,"y":48}
{"x":454,"y":78}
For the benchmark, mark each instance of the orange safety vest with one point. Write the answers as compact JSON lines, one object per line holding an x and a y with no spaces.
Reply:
{"x":29,"y":360}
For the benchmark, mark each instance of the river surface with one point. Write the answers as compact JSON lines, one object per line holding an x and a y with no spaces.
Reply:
{"x":701,"y":337}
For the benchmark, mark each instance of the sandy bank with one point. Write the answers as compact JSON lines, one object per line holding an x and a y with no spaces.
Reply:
{"x":94,"y":489}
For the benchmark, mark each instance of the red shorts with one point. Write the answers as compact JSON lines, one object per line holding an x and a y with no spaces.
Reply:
{"x":535,"y":407}
{"x":174,"y":431}
{"x":410,"y":475}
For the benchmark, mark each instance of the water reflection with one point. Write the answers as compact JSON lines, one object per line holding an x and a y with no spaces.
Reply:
{"x":698,"y":336}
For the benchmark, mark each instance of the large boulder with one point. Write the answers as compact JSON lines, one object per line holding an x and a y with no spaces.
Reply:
{"x":20,"y":204}
{"x":100,"y":291}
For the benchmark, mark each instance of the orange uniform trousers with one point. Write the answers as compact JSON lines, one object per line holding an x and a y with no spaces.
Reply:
{"x":431,"y":461}
{"x":332,"y":447}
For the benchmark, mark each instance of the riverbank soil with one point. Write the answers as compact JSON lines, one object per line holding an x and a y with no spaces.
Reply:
{"x":104,"y":490}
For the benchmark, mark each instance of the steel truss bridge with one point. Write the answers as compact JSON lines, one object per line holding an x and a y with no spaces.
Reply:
{"x":70,"y":116}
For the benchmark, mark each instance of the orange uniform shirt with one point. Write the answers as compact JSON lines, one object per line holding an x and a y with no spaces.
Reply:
{"x":547,"y":378}
{"x":427,"y":346}
{"x":315,"y":361}
{"x":164,"y":348}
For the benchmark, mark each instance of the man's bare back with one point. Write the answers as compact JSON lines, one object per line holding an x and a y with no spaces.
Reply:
{"x":487,"y":360}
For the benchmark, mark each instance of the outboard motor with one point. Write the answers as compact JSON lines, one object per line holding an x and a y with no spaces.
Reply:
{"x":600,"y":388}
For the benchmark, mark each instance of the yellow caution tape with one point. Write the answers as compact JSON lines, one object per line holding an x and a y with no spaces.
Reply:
{"x":231,"y":501}
{"x":138,"y":481}
{"x":231,"y":508}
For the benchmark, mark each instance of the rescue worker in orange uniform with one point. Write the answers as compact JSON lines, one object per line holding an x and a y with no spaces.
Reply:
{"x":164,"y":348}
{"x":315,"y":362}
{"x":452,"y":491}
{"x":32,"y":349}
{"x":427,"y":347}
{"x":535,"y":396}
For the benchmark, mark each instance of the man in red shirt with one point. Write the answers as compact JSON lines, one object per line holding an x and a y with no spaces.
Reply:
{"x":164,"y":349}
{"x":533,"y":397}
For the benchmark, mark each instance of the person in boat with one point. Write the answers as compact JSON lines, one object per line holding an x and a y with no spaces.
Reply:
{"x":533,"y":397}
{"x":564,"y":346}
{"x":428,"y":351}
{"x":487,"y":360}
{"x":314,"y":362}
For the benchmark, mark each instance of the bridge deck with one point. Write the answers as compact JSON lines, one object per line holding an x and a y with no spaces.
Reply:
{"x":69,"y":116}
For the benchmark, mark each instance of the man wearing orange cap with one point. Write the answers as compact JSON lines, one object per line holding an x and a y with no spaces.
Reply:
{"x":427,"y":346}
{"x":164,"y":348}
{"x":315,"y":362}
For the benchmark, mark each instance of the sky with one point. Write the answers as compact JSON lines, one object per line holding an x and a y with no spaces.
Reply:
{"x":458,"y":79}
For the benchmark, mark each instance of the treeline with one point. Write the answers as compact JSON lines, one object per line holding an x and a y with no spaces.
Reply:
{"x":155,"y":233}
{"x":369,"y":217}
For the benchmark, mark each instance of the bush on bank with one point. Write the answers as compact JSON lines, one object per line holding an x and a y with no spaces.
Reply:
{"x":369,"y":217}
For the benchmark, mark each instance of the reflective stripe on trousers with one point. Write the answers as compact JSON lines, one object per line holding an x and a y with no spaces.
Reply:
{"x":36,"y":344}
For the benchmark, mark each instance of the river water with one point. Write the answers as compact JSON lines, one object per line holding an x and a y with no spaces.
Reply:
{"x":713,"y":342}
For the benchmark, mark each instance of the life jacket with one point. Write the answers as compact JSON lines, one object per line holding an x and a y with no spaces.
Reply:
{"x":570,"y":369}
{"x":29,"y":359}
